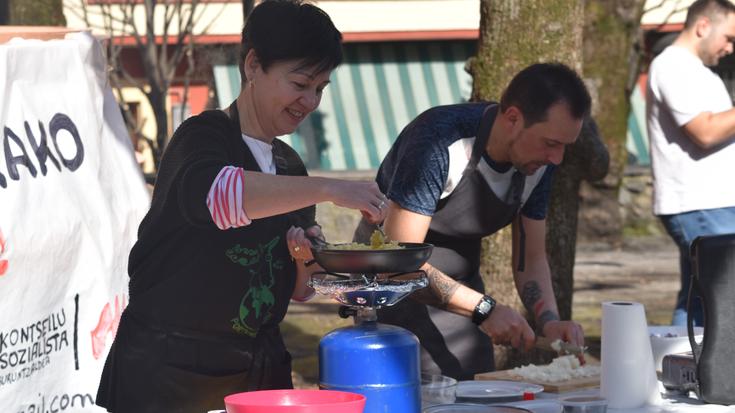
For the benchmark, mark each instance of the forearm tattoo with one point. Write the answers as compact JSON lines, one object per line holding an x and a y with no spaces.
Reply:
{"x":531,"y":297}
{"x":440,"y":291}
{"x":544,"y":318}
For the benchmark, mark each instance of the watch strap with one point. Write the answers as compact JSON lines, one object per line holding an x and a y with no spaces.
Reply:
{"x":483,"y":309}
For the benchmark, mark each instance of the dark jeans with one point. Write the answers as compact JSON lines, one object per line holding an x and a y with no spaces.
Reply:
{"x":683,"y":229}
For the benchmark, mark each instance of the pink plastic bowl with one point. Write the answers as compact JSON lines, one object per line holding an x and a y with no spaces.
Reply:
{"x":295,"y":401}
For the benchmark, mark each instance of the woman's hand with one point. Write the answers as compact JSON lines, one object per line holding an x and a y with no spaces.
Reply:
{"x":299,"y":245}
{"x":300,"y":248}
{"x":365,"y":196}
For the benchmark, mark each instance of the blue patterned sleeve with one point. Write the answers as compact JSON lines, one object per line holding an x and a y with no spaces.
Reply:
{"x":419,"y":166}
{"x":538,"y":202}
{"x":415,"y":171}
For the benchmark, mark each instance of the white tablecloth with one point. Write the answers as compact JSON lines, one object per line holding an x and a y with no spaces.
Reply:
{"x":671,"y":403}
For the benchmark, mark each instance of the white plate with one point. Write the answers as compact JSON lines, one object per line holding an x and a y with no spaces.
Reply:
{"x":486,"y":390}
{"x":473,"y":408}
{"x":538,"y":406}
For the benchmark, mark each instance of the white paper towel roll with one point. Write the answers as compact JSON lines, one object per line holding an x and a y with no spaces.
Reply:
{"x":628,"y":378}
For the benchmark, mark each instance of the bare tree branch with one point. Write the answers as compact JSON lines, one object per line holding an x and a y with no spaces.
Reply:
{"x":184,"y":32}
{"x":168,"y":15}
{"x":187,"y":77}
{"x":655,"y":7}
{"x":197,"y":19}
{"x":163,"y":35}
{"x":677,"y":7}
{"x":128,"y":12}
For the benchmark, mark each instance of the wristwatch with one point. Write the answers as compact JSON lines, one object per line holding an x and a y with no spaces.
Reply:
{"x":483,"y":309}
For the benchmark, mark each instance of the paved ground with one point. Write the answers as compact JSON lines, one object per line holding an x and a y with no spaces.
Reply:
{"x":643,"y":270}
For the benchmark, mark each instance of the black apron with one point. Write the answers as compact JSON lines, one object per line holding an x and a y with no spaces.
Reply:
{"x":159,"y":365}
{"x":451,"y":344}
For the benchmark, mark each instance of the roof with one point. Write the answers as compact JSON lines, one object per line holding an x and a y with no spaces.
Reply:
{"x":358,"y":20}
{"x":664,"y":14}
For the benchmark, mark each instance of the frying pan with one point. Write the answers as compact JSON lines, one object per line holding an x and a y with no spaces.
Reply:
{"x":409,"y":258}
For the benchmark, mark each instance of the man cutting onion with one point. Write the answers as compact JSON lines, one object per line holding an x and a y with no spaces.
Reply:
{"x":462,"y":172}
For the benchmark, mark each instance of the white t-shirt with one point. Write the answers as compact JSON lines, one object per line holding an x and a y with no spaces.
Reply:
{"x":263,"y":153}
{"x":685,"y":176}
{"x":459,"y":156}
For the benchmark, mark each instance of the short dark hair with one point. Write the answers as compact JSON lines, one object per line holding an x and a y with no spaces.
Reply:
{"x":536,"y":88}
{"x":712,"y":9}
{"x":281,"y":30}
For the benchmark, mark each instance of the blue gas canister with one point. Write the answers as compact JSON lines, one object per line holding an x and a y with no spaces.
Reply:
{"x":379,"y":361}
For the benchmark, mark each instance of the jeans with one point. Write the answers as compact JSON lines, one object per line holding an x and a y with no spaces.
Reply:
{"x":683,"y":229}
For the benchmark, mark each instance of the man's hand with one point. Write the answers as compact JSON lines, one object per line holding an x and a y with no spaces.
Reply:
{"x":507,"y":326}
{"x":568,"y":331}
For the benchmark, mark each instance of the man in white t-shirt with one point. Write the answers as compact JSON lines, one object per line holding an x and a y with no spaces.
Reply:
{"x":691,"y":124}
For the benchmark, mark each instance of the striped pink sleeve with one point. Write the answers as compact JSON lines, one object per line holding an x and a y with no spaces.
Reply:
{"x":224,"y":199}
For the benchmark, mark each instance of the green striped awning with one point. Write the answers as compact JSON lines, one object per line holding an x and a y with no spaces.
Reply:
{"x":637,"y":138}
{"x":377,"y":91}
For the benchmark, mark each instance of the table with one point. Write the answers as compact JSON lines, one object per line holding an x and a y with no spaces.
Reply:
{"x":670,"y":403}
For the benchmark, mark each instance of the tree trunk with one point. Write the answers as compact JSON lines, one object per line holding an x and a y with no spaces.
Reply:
{"x":4,"y":13}
{"x":247,"y":7}
{"x":587,"y":159}
{"x":610,"y":30}
{"x":157,"y":99}
{"x":35,"y":13}
{"x":513,"y":35}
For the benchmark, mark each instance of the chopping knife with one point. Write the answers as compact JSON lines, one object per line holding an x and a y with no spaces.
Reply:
{"x":561,"y":347}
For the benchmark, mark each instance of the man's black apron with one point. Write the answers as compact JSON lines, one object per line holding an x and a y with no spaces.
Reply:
{"x":158,"y":367}
{"x":451,"y":344}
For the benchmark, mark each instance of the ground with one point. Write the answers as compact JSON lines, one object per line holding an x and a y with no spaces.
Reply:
{"x":643,"y":269}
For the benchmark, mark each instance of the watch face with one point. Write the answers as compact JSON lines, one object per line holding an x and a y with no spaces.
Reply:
{"x":482,"y":310}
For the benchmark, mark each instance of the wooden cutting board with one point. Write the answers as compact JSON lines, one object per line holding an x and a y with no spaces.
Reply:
{"x":555,"y":387}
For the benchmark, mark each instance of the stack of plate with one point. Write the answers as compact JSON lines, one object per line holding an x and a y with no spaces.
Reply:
{"x":473,"y":408}
{"x":496,"y":396}
{"x":494,"y":391}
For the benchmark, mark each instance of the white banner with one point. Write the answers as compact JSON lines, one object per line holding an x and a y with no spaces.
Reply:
{"x":71,"y":199}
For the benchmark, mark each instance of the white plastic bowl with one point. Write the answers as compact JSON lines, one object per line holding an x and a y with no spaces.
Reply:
{"x":670,"y":340}
{"x":584,"y":404}
{"x":437,"y":389}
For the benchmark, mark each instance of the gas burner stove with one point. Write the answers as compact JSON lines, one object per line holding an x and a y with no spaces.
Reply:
{"x":368,"y":290}
{"x":679,"y":372}
{"x":380,"y":361}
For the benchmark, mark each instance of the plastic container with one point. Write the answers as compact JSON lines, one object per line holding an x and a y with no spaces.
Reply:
{"x":584,"y":404}
{"x":437,"y":389}
{"x":295,"y":401}
{"x":473,"y":408}
{"x":670,"y":340}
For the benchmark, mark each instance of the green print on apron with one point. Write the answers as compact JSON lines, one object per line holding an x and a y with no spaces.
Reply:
{"x":256,"y":303}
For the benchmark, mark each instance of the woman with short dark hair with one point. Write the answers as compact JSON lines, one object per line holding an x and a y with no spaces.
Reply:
{"x":222,"y":249}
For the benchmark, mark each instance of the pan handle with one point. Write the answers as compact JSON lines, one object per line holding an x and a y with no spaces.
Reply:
{"x":317,"y":242}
